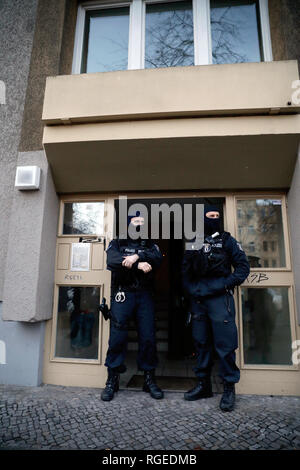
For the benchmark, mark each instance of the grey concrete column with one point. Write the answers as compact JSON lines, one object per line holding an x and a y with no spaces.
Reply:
{"x":17,"y":25}
{"x":29,"y":273}
{"x":21,"y":352}
{"x":294,"y":220}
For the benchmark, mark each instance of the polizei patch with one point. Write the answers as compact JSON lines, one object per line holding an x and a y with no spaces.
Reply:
{"x":206,"y":247}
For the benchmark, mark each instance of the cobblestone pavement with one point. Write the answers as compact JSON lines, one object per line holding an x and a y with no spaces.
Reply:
{"x":56,"y":417}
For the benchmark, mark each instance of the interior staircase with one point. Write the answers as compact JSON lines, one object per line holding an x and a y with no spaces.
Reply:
{"x":161,"y":323}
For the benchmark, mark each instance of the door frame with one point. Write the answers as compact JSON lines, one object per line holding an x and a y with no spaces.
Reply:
{"x":251,"y":375}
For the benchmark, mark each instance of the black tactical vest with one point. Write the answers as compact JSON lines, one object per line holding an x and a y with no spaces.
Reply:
{"x":128,"y":278}
{"x":214,"y":260}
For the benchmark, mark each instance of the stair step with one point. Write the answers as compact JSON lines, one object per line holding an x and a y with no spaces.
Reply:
{"x":161,"y":315}
{"x":160,"y":346}
{"x":161,"y":324}
{"x":160,"y":334}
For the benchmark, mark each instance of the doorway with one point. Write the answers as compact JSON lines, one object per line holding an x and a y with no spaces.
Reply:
{"x":76,"y":340}
{"x":175,"y":349}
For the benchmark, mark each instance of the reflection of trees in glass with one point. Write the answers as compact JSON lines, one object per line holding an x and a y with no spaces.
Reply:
{"x":169,"y":35}
{"x":234,"y":32}
{"x":83,"y":218}
{"x":265,"y":220}
{"x":225,"y":36}
{"x":86,"y":217}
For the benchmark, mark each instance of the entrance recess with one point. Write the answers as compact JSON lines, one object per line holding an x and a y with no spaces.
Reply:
{"x":174,"y":337}
{"x":77,"y":336}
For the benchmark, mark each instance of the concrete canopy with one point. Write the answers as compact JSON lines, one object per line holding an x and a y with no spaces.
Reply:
{"x":201,"y":153}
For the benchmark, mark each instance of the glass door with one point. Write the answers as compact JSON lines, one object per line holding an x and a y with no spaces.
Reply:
{"x":76,"y":337}
{"x":267,"y":320}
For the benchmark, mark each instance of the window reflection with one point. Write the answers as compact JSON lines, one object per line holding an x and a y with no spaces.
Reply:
{"x":77,"y":322}
{"x":260,"y":230}
{"x":266,"y":325}
{"x":106,"y":40}
{"x":169,"y":35}
{"x":83,"y":218}
{"x":234,"y":31}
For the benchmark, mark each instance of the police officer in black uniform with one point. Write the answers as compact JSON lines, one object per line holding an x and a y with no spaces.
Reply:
{"x":209,"y":283}
{"x":133,"y":263}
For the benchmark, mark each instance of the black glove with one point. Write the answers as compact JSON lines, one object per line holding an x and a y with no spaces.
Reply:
{"x":104,"y":309}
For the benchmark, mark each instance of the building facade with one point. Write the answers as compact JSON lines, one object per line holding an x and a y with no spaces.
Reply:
{"x":164,"y":102}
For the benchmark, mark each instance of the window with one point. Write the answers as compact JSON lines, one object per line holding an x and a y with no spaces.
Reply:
{"x":267,"y":296}
{"x":268,"y":222}
{"x":77,"y":328}
{"x":169,"y":34}
{"x":251,"y":245}
{"x":106,"y":40}
{"x":266,"y":325}
{"x":83,"y":218}
{"x":235,"y":31}
{"x":150,"y":33}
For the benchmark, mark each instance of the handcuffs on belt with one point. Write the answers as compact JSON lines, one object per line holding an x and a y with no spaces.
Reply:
{"x":120,"y":296}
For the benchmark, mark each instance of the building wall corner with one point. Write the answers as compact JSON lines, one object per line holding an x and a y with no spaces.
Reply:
{"x":294,"y":222}
{"x":29,"y":273}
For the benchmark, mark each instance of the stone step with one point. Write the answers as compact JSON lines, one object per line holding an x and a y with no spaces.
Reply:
{"x":160,"y":346}
{"x":160,"y":334}
{"x":162,"y":314}
{"x":160,"y":325}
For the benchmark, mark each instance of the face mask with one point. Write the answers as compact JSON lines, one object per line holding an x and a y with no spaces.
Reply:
{"x":211,"y":226}
{"x":134,"y":229}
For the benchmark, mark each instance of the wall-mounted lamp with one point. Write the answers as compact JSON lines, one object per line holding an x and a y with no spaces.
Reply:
{"x":27,"y":177}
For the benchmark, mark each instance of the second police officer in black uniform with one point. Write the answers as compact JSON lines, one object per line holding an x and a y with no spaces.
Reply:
{"x":208,"y":283}
{"x":133,"y":263}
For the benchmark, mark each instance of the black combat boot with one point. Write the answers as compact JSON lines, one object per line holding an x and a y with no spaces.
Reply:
{"x":112,"y":385}
{"x":228,"y":397}
{"x":150,"y":386}
{"x":203,"y":389}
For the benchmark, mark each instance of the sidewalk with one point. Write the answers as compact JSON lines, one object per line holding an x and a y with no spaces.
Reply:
{"x":56,"y":417}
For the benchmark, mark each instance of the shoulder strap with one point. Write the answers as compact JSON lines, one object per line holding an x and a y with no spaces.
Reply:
{"x":225,"y":236}
{"x":120,"y":242}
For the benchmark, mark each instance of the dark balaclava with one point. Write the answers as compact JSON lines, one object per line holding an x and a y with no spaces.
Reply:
{"x":136,"y":228}
{"x":211,"y":225}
